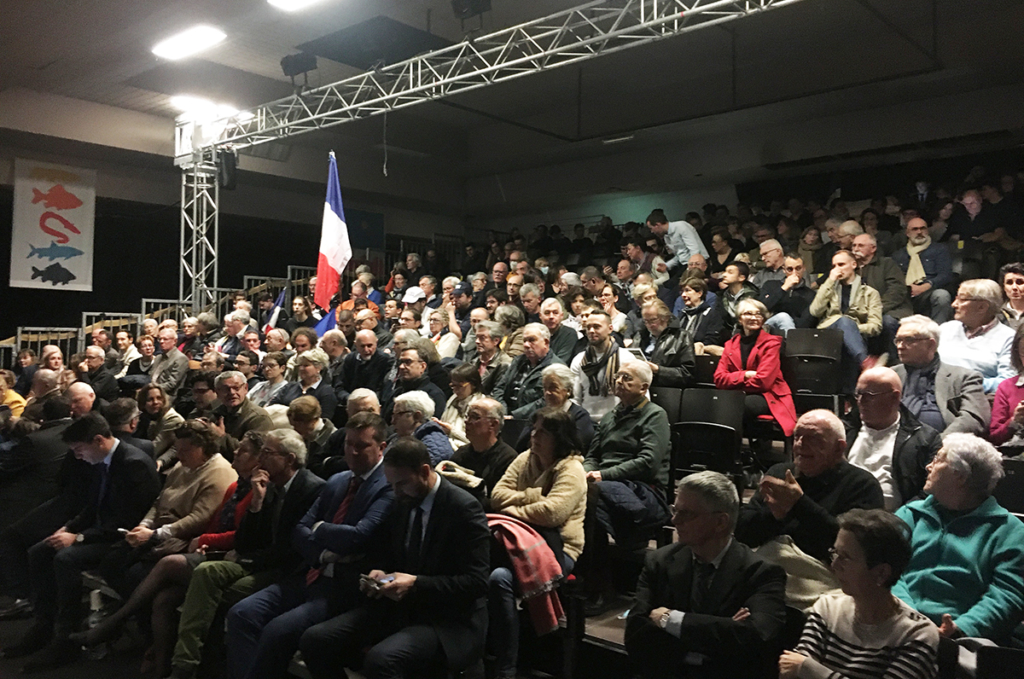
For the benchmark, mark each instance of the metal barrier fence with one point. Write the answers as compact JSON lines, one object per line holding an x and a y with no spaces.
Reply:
{"x":162,"y":309}
{"x":298,"y":282}
{"x":8,"y":356}
{"x":256,"y":285}
{"x":68,"y":339}
{"x":111,"y":321}
{"x":223,"y":303}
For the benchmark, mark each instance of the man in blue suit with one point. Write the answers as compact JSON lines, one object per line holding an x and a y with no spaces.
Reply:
{"x":263,"y":630}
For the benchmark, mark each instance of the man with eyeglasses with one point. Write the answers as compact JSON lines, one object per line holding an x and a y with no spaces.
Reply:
{"x":886,"y":439}
{"x":975,"y":339}
{"x":707,"y":603}
{"x":788,"y":298}
{"x":412,"y":376}
{"x":946,"y":397}
{"x":928,"y":269}
{"x":486,"y":454}
{"x":792,"y":520}
{"x":236,"y":414}
{"x":627,"y":472}
{"x":170,"y":368}
{"x":93,"y":371}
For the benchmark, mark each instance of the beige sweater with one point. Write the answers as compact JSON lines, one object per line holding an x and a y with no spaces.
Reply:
{"x":188,"y":501}
{"x":551,"y":498}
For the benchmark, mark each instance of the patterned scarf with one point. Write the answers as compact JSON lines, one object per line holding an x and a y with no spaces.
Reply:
{"x":600,"y":370}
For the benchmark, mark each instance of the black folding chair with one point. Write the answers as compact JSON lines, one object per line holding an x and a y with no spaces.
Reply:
{"x":1009,"y":492}
{"x":709,"y":435}
{"x":670,"y":399}
{"x":811,"y":368}
{"x":704,"y":370}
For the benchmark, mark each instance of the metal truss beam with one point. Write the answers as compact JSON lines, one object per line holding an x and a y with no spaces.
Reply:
{"x":200,"y":222}
{"x":568,"y":37}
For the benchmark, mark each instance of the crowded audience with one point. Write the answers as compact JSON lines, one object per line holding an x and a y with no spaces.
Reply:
{"x":393,"y":491}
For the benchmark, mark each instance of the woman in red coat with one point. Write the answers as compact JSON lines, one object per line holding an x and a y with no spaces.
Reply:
{"x":751,"y":362}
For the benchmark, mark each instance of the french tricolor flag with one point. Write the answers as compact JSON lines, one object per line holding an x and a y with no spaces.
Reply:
{"x":275,"y":313}
{"x":335,"y":250}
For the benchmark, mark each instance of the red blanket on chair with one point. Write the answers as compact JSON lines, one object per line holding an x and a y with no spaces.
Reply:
{"x":536,"y":567}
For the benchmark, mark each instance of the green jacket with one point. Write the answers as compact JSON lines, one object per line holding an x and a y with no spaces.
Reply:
{"x":631,"y":444}
{"x":865,"y":306}
{"x":968,"y":566}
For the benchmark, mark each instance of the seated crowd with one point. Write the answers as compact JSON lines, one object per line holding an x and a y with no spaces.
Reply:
{"x":383,"y":494}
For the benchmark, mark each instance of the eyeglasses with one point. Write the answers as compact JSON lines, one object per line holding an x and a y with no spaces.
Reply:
{"x":835,"y":556}
{"x":908,"y":340}
{"x":752,"y":314}
{"x":865,"y":395}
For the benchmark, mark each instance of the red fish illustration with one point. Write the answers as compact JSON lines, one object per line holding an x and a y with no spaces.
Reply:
{"x":62,"y":238}
{"x":56,"y":198}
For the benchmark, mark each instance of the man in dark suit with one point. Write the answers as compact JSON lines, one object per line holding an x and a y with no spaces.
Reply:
{"x":706,"y":606}
{"x":263,"y":630}
{"x":427,"y":591}
{"x":125,"y":484}
{"x":29,"y":472}
{"x":413,"y":376}
{"x":283,"y":490}
{"x":93,"y":372}
{"x":123,"y":417}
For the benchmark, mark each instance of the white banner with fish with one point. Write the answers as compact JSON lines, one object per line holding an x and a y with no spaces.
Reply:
{"x":52,"y":238}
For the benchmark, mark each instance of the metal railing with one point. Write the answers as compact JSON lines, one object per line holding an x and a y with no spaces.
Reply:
{"x":256,"y":285}
{"x":8,"y":356}
{"x":35,"y":338}
{"x":162,"y":309}
{"x":111,"y":321}
{"x":298,"y":282}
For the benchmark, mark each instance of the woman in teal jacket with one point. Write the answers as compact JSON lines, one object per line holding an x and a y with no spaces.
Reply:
{"x":967,"y":569}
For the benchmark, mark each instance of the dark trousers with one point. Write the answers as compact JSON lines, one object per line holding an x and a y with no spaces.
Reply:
{"x":396,"y":651}
{"x":263,"y":630}
{"x":17,"y":539}
{"x":57,"y":582}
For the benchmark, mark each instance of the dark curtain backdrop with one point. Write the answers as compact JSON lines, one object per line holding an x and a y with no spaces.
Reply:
{"x":137,"y":250}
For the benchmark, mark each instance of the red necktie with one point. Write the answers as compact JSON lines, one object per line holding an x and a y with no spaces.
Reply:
{"x":339,"y":517}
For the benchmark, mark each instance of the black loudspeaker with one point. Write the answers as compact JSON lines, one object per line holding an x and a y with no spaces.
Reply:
{"x":227,"y":164}
{"x":465,"y":9}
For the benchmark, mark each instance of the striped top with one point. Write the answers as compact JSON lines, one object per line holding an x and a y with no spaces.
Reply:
{"x":903,"y":647}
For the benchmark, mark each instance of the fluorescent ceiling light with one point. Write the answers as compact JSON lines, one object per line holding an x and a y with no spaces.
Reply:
{"x":292,"y":5}
{"x":188,"y":42}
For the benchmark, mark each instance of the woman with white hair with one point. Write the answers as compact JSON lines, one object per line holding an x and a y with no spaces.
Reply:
{"x":968,"y":552}
{"x":975,"y":339}
{"x":558,"y":381}
{"x":412,"y":416}
{"x":447,"y":343}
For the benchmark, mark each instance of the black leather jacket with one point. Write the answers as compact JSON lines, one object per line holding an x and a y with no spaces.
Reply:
{"x":673,"y":354}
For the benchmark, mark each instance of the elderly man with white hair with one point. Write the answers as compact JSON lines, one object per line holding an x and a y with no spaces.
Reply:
{"x":94,"y":372}
{"x":975,"y":339}
{"x":627,"y":474}
{"x":233,"y":341}
{"x":83,"y":399}
{"x":968,"y":552}
{"x":946,"y":397}
{"x":563,"y":338}
{"x":794,"y":515}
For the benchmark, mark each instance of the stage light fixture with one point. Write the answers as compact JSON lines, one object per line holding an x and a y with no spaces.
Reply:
{"x":293,"y":5}
{"x":188,"y":42}
{"x":297,"y":64}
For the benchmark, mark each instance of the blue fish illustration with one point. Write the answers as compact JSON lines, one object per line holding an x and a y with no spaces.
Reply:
{"x":54,"y":251}
{"x":54,"y":274}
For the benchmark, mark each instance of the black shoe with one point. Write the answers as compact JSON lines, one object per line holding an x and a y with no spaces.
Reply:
{"x":35,"y":638}
{"x":19,"y":610}
{"x":59,"y":653}
{"x":598,"y":605}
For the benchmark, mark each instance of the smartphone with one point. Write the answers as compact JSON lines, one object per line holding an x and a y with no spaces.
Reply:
{"x":122,"y":531}
{"x":637,"y":353}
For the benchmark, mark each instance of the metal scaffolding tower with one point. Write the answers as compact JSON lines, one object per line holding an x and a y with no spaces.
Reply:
{"x":567,"y":37}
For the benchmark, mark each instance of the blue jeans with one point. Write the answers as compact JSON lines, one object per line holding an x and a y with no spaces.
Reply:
{"x":503,"y":629}
{"x":780,"y":321}
{"x":855,"y":350}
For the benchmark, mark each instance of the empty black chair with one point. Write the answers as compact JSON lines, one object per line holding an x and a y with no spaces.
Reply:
{"x":670,"y":399}
{"x":810,"y":365}
{"x":1009,"y":492}
{"x":704,"y":370}
{"x":709,"y":434}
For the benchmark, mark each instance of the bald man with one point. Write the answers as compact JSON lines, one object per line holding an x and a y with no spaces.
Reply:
{"x":928,"y":270}
{"x":366,"y":367}
{"x":367,"y":320}
{"x":886,"y":439}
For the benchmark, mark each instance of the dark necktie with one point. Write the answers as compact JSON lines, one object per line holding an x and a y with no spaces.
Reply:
{"x":104,"y":479}
{"x":339,"y":517}
{"x":415,"y":540}
{"x":702,"y":576}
